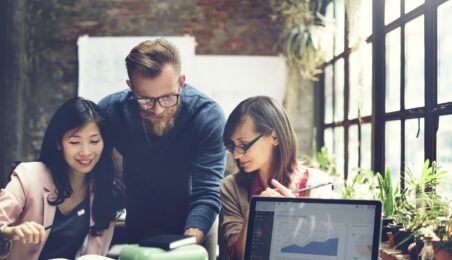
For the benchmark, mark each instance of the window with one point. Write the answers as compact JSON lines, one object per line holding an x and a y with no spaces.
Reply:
{"x":386,"y":87}
{"x":347,"y":82}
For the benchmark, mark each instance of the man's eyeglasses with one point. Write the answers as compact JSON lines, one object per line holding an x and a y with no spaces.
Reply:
{"x":166,"y":101}
{"x":243,"y":147}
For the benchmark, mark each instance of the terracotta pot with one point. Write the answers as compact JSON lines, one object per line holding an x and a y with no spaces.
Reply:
{"x":390,"y":239}
{"x":385,"y":229}
{"x":443,"y":255}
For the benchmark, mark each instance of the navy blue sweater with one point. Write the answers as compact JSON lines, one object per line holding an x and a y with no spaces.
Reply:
{"x":173,"y":182}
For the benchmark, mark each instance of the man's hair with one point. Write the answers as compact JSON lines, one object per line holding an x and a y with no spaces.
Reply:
{"x":149,"y":57}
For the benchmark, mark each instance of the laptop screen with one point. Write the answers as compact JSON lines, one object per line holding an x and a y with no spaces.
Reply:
{"x":320,"y":229}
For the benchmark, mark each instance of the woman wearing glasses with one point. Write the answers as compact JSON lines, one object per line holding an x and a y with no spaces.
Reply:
{"x":263,"y":143}
{"x":65,"y":204}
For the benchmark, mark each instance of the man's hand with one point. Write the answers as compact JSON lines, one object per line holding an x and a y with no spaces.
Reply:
{"x":196,"y":232}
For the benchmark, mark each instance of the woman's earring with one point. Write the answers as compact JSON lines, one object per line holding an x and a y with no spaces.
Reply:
{"x":275,"y":141}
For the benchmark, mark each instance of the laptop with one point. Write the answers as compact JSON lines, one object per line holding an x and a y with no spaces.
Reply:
{"x":314,"y":229}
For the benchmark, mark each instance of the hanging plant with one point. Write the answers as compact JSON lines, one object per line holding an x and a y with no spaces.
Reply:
{"x":303,"y":52}
{"x":303,"y":27}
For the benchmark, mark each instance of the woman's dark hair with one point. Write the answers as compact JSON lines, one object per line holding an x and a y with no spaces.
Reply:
{"x":268,"y":116}
{"x":74,"y":114}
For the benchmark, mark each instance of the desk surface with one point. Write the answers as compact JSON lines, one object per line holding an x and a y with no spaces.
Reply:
{"x":188,"y":252}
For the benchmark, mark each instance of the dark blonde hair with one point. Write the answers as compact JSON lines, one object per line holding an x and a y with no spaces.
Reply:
{"x":268,"y":116}
{"x":149,"y":57}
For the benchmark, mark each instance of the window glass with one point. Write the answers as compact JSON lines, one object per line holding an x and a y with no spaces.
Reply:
{"x":329,"y":139}
{"x":360,"y":62}
{"x":366,"y":21}
{"x":355,"y":84}
{"x":444,"y":152}
{"x":444,"y":52}
{"x":359,"y":16}
{"x":329,"y":32}
{"x":392,"y":149}
{"x":340,"y":27}
{"x":392,"y":10}
{"x":339,"y":149}
{"x":329,"y":94}
{"x":366,"y":92}
{"x":366,"y":146}
{"x":414,"y":63}
{"x":392,"y":98}
{"x":414,"y":145}
{"x":339,"y":90}
{"x":353,"y":150}
{"x":412,"y":4}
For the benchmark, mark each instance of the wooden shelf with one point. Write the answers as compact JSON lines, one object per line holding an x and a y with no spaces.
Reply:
{"x":387,"y":253}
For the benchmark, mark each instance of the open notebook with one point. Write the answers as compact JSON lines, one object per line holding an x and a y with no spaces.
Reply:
{"x":320,"y":229}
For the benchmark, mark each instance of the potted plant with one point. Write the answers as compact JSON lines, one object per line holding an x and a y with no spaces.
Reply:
{"x":443,"y":246}
{"x":421,"y":219}
{"x":324,"y":161}
{"x":420,"y":207}
{"x":363,"y":185}
{"x":387,"y":194}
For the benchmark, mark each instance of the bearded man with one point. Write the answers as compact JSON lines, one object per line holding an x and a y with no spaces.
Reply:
{"x":169,"y":135}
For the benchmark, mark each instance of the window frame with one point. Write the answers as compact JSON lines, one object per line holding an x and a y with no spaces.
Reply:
{"x":431,"y":111}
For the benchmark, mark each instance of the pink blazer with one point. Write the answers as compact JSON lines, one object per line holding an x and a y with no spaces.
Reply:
{"x":25,"y":199}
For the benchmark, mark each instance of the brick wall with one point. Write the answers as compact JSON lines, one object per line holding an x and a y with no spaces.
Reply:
{"x":40,"y":68}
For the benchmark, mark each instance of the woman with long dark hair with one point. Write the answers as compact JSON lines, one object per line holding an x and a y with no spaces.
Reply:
{"x":65,"y":204}
{"x":262,"y":141}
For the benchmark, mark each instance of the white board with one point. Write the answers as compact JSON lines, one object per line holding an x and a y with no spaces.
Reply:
{"x":227,"y":79}
{"x":102,"y":67}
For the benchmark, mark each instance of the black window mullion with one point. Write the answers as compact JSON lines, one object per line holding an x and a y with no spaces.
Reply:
{"x":443,"y":109}
{"x":320,"y":111}
{"x":359,"y":142}
{"x":402,"y":94}
{"x":431,"y":82}
{"x":378,"y":86}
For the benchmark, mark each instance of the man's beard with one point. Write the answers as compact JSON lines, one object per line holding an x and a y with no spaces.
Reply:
{"x":161,"y":127}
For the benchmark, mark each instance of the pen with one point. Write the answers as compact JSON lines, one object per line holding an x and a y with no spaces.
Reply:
{"x":310,"y":188}
{"x":79,"y":213}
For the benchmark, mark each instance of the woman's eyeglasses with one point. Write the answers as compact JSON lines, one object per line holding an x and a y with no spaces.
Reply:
{"x":243,"y":147}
